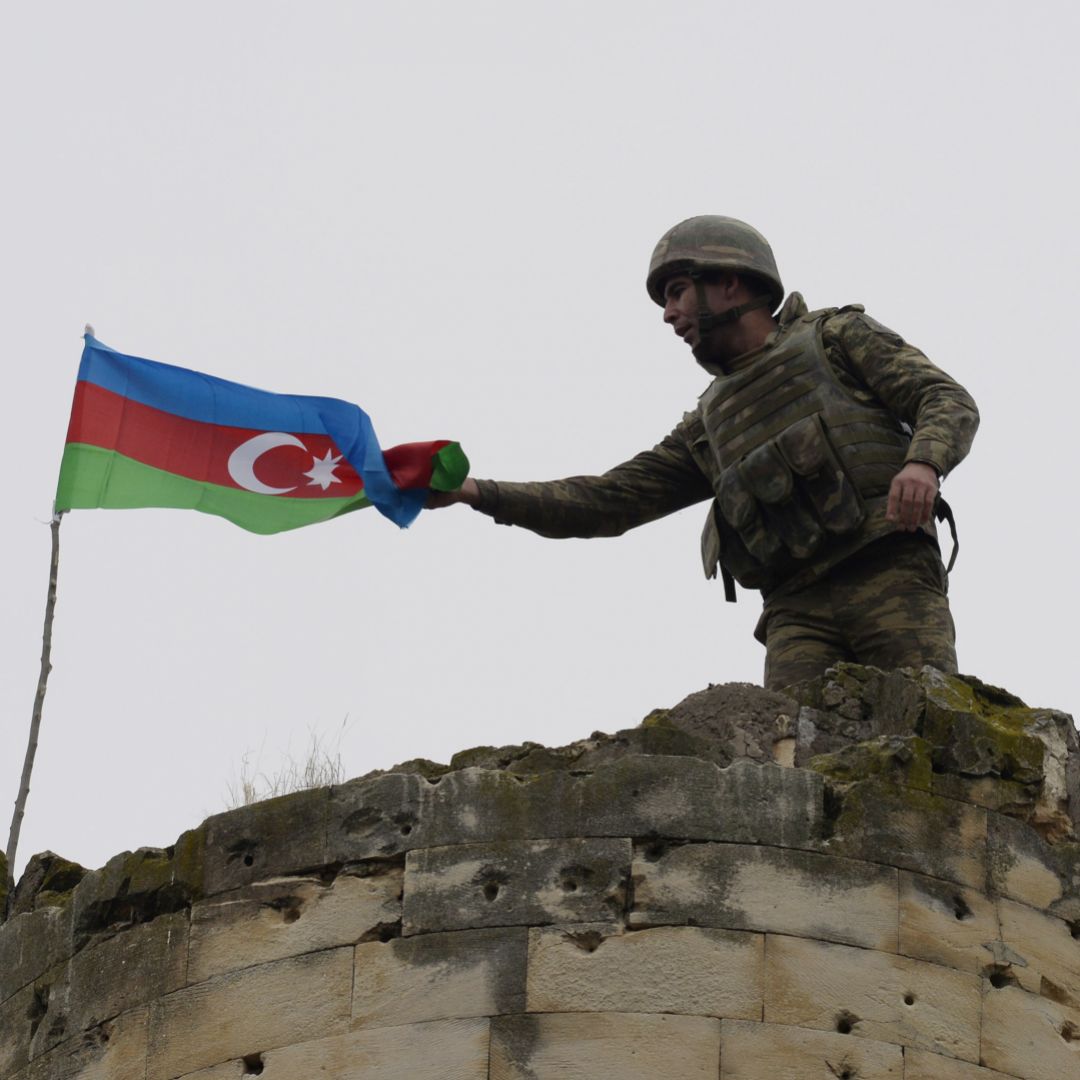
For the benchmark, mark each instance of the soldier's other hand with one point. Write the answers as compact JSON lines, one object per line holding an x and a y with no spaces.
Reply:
{"x":468,"y":493}
{"x":911,"y":496}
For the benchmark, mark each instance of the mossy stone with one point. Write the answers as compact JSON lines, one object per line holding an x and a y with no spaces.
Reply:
{"x":902,"y":759}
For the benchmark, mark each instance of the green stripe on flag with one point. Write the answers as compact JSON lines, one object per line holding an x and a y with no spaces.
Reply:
{"x":91,"y":476}
{"x":449,"y":468}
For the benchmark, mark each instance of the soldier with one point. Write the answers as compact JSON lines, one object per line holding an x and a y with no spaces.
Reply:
{"x":821,"y":441}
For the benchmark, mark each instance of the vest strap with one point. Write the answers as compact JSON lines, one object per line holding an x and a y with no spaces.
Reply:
{"x":943,"y":512}
{"x":729,"y":584}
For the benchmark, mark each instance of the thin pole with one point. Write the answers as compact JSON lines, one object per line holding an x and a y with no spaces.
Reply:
{"x":39,"y":701}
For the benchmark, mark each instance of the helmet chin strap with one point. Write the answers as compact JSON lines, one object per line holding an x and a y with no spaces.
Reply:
{"x":708,"y":320}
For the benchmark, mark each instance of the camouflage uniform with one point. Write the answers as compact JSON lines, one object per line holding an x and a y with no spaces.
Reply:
{"x":870,"y":593}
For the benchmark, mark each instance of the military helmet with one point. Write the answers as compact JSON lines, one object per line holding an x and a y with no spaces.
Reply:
{"x":712,"y":242}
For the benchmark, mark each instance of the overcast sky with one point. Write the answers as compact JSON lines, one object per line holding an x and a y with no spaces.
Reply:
{"x":444,"y":212}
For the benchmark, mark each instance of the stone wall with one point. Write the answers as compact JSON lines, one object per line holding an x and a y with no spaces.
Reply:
{"x":877,"y":878}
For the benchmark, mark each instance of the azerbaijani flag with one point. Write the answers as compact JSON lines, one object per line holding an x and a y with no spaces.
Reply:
{"x":150,"y":434}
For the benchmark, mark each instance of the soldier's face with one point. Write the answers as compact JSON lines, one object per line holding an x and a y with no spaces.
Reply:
{"x":680,"y":308}
{"x":681,"y":304}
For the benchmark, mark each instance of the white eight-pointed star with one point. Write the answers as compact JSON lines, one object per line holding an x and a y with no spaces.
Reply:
{"x":322,"y":471}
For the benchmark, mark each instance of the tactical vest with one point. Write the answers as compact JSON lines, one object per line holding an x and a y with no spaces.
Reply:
{"x":801,"y":470}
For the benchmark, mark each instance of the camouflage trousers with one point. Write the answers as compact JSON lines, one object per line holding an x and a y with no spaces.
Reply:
{"x":885,"y":606}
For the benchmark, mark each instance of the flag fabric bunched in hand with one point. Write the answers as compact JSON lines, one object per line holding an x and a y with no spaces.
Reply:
{"x":148,"y":434}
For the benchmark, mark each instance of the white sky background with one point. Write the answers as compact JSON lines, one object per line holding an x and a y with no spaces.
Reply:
{"x":444,"y":213}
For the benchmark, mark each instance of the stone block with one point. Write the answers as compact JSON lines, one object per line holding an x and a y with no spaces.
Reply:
{"x":872,"y":995}
{"x":47,"y":880}
{"x":289,"y":916}
{"x":130,"y":969}
{"x":277,"y":837}
{"x":980,"y":730}
{"x":676,"y":797}
{"x":850,"y":703}
{"x":138,"y":886}
{"x":450,"y":976}
{"x":32,"y":943}
{"x":946,"y":923}
{"x":250,"y":1011}
{"x":112,"y":1050}
{"x":750,"y":1051}
{"x":1047,"y":951}
{"x":1030,"y":1036}
{"x":671,"y":969}
{"x":528,"y":883}
{"x":1025,"y":867}
{"x":747,"y":887}
{"x":903,"y":827}
{"x":919,"y":1065}
{"x":631,"y":1046}
{"x":447,"y":1050}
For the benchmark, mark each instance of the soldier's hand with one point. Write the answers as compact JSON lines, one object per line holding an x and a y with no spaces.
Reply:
{"x":911,"y":496}
{"x":468,"y":493}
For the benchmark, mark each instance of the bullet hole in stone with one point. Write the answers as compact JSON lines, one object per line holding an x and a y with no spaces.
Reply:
{"x":381,"y":932}
{"x":1070,"y":1032}
{"x":249,"y":859}
{"x":491,"y":890}
{"x":1000,"y":977}
{"x":586,"y":940}
{"x":405,"y":830}
{"x":572,"y":878}
{"x":288,"y":906}
{"x":635,"y":794}
{"x":253,"y":1064}
{"x":655,"y":851}
{"x":1007,"y":770}
{"x":845,"y":1023}
{"x":1074,"y":929}
{"x":909,"y":999}
{"x":960,"y":907}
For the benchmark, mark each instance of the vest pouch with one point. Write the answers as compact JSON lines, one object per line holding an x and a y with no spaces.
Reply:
{"x":739,"y":509}
{"x":821,"y":476}
{"x":785,"y":512}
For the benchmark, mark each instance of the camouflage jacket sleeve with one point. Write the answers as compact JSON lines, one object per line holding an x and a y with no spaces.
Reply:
{"x":650,"y":485}
{"x":876,"y":362}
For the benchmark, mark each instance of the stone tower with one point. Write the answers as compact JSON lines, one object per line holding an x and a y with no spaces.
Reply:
{"x":874,"y":879}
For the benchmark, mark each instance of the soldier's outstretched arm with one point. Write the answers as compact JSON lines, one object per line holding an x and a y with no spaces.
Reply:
{"x":650,"y":485}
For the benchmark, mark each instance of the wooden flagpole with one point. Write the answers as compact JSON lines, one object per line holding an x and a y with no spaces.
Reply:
{"x":39,"y":701}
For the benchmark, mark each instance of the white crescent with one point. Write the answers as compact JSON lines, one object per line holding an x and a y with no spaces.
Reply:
{"x":242,"y":460}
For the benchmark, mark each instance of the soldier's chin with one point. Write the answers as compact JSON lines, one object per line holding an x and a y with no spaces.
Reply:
{"x":703,"y":352}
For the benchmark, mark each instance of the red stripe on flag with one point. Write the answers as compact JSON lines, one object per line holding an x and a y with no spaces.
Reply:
{"x":198,"y":450}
